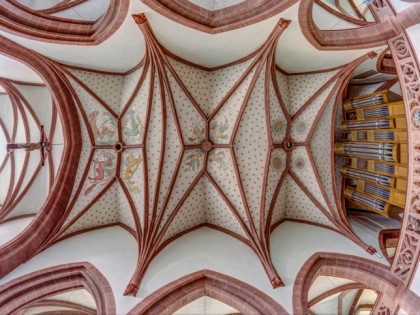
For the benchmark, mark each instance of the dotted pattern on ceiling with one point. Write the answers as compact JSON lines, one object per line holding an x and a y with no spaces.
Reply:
{"x":84,"y":156}
{"x":321,"y":160}
{"x":192,"y":164}
{"x":306,"y":175}
{"x":278,"y":121}
{"x":228,"y":114}
{"x":132,"y":175}
{"x":302,"y":87}
{"x":190,"y":214}
{"x":299,"y":206}
{"x":125,"y":215}
{"x":101,"y":172}
{"x":220,"y":167}
{"x":104,"y":211}
{"x":279,"y":207}
{"x":217,"y":212}
{"x":108,"y":88}
{"x":129,"y":85}
{"x":153,"y":140}
{"x":189,"y":118}
{"x":101,"y":122}
{"x":209,"y":88}
{"x":134,"y":120}
{"x":283,"y":86}
{"x":225,"y":177}
{"x":303,"y":124}
{"x":276,"y":169}
{"x":251,"y":148}
{"x":212,"y":175}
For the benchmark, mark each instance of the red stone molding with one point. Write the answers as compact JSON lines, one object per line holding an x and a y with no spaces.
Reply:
{"x":385,"y":63}
{"x":154,"y":231}
{"x":408,"y":252}
{"x":15,"y":252}
{"x":407,"y":256}
{"x":383,"y":236}
{"x":218,"y":21}
{"x":22,"y":21}
{"x":387,"y":85}
{"x":237,"y":294}
{"x":344,"y":16}
{"x":31,"y":289}
{"x":371,"y":275}
{"x":355,"y":38}
{"x":75,"y":308}
{"x":61,"y":6}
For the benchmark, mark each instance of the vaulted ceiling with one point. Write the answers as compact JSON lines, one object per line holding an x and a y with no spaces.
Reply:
{"x":170,"y":147}
{"x":182,"y":129}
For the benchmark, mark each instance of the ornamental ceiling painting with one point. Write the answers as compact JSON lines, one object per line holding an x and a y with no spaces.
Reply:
{"x":170,"y":147}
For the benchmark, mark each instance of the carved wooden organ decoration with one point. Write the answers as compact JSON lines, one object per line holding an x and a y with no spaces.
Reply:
{"x":374,"y":144}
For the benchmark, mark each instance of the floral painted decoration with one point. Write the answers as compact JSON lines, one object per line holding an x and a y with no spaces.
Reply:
{"x":197,"y":134}
{"x":131,"y":165}
{"x":104,"y":127}
{"x":194,"y":159}
{"x":218,"y":130}
{"x":103,"y":169}
{"x":218,"y":157}
{"x":133,"y":128}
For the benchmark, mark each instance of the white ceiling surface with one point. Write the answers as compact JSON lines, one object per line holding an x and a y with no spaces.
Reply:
{"x":206,"y":306}
{"x":368,"y":297}
{"x":414,"y":35}
{"x":11,"y":229}
{"x":399,"y":5}
{"x":90,"y":10}
{"x":213,"y":5}
{"x":14,"y":70}
{"x":324,"y":284}
{"x":126,"y":47}
{"x":80,"y":296}
{"x":39,"y":5}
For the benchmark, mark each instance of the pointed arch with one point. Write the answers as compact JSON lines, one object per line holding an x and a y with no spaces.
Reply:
{"x":366,"y":272}
{"x":42,"y":25}
{"x":28,"y":290}
{"x":231,"y":291}
{"x":22,"y":247}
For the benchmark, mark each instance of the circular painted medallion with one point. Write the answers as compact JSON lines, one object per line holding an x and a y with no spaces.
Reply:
{"x":300,"y":127}
{"x":299,"y":163}
{"x":276,"y":163}
{"x":277,"y":126}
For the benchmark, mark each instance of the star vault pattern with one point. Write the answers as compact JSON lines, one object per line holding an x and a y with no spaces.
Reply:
{"x":171,"y":147}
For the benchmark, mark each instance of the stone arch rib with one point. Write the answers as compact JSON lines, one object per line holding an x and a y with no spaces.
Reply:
{"x":368,"y":273}
{"x":15,"y":252}
{"x":240,"y":295}
{"x":32,"y":288}
{"x":356,"y":38}
{"x":23,"y":21}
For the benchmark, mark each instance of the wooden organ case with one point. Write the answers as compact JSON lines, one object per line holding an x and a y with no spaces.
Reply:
{"x":374,"y":144}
